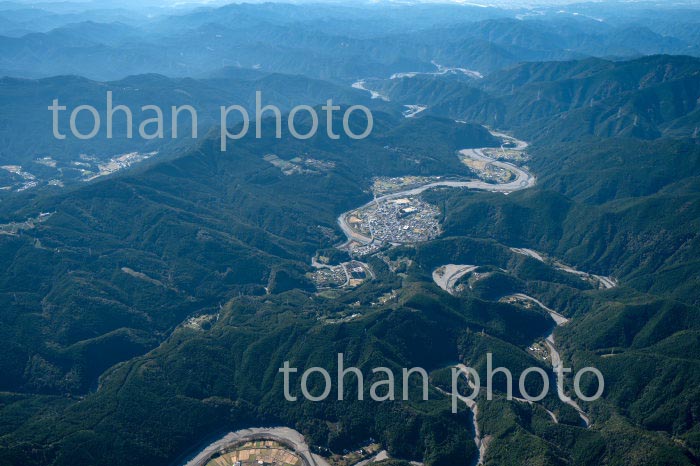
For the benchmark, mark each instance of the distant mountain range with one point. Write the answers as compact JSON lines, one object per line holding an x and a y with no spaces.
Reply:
{"x":337,"y":43}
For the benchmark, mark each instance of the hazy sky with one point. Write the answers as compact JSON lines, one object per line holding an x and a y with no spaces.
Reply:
{"x":183,"y":3}
{"x":501,"y":3}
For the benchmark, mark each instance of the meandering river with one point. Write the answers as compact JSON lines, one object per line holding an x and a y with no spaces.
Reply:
{"x":523,"y":180}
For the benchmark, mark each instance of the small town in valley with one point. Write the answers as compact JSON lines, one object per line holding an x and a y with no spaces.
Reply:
{"x":397,"y":221}
{"x":257,"y":453}
{"x":345,"y":275}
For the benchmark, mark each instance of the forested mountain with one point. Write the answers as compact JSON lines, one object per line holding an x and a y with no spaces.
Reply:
{"x":551,"y":154}
{"x":644,"y":98}
{"x":194,"y":232}
{"x":26,"y":126}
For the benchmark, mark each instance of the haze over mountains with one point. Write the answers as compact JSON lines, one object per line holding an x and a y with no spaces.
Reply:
{"x":330,"y":42}
{"x":150,"y":290}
